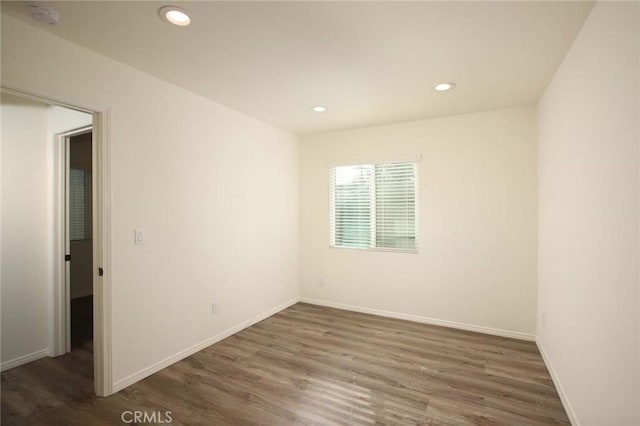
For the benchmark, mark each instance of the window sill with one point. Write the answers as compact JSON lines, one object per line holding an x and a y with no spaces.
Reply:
{"x":391,"y":250}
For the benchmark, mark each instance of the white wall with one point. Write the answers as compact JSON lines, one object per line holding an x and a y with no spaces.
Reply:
{"x":588,"y":220}
{"x":477,"y":221}
{"x":25,"y":288}
{"x":214,"y":190}
{"x":64,"y":119}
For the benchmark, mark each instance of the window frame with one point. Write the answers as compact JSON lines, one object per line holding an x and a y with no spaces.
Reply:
{"x":373,"y":224}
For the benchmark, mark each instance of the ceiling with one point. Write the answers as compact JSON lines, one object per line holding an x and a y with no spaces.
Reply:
{"x":368,"y":62}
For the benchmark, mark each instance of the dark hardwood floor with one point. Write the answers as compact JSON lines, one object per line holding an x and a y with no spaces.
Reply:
{"x":309,"y":365}
{"x":81,"y":321}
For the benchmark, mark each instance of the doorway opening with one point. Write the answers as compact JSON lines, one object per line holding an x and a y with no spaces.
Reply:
{"x":79,"y":227}
{"x":62,"y":200}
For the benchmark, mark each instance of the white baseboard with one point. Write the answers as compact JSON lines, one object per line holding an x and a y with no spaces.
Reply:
{"x":556,"y":381}
{"x":154,"y":368}
{"x":16,"y":362}
{"x":424,"y":320}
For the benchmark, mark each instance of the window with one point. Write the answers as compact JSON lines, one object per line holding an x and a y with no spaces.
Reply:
{"x":373,"y":206}
{"x":79,"y":204}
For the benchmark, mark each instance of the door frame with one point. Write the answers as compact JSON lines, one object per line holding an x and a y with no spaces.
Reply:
{"x":101,"y":212}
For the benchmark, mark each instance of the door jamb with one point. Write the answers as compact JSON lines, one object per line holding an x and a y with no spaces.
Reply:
{"x":102,"y":306}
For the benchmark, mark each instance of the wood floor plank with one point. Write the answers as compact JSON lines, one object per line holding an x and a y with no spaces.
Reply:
{"x":309,"y":365}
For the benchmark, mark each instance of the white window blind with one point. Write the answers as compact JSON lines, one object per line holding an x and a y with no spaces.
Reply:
{"x":79,"y":204}
{"x":351,"y":213}
{"x":373,"y":206}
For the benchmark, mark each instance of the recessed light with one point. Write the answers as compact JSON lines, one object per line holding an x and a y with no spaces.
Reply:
{"x":319,"y":108}
{"x":175,"y":15}
{"x":443,"y":87}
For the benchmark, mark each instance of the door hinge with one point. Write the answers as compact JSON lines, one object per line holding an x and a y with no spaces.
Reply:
{"x":67,"y":257}
{"x":100,"y":272}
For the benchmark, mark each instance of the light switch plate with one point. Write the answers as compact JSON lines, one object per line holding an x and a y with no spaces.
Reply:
{"x":139,"y":237}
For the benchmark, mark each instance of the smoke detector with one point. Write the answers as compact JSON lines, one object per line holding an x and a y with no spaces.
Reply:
{"x":44,"y":15}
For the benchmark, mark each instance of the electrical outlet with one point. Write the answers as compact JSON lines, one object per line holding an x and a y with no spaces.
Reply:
{"x":214,"y":308}
{"x":321,"y":282}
